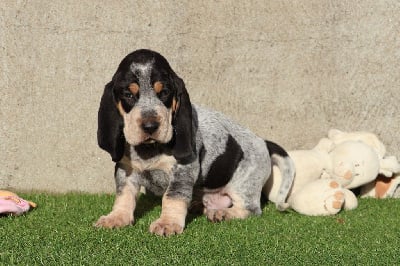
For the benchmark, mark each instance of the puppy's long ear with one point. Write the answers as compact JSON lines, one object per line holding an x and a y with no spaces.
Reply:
{"x":184,"y":146}
{"x":110,"y":135}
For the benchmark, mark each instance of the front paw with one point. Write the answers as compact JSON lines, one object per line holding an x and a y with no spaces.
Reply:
{"x":115,"y":219}
{"x":164,"y":227}
{"x":334,"y":203}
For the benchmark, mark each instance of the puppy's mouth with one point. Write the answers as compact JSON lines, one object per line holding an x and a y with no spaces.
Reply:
{"x":154,"y":138}
{"x":149,"y":140}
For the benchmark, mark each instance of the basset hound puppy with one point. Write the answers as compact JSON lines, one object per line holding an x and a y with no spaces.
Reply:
{"x":183,"y":152}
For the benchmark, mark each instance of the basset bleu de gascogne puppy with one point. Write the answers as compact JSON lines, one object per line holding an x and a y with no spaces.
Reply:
{"x":180,"y":151}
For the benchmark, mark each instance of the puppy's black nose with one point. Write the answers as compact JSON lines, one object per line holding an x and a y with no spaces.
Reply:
{"x":150,"y":126}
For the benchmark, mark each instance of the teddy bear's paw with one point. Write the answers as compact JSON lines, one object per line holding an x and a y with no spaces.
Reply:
{"x":333,"y":184}
{"x":339,"y":199}
{"x":334,"y":203}
{"x":114,"y":219}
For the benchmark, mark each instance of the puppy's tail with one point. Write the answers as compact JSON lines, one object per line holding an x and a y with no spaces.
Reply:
{"x":280,"y":158}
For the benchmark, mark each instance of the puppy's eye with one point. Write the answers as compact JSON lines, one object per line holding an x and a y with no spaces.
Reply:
{"x":127,"y":94}
{"x":164,"y":93}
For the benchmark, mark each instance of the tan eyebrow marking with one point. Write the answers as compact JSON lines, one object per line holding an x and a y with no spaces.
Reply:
{"x":134,"y":88}
{"x":158,"y":86}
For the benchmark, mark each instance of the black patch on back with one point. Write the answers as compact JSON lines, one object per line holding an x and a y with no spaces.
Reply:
{"x":224,"y":166}
{"x":274,"y":148}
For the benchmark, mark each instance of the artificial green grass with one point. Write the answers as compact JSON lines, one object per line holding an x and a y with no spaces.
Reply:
{"x":60,"y":232}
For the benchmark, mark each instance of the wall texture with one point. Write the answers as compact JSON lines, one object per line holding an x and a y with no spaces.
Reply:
{"x":289,"y":70}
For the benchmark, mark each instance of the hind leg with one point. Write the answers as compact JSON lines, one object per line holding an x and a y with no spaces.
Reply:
{"x":226,"y":214}
{"x":229,"y":206}
{"x":243,"y":191}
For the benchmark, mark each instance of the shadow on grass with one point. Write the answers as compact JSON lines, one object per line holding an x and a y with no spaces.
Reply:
{"x":148,"y":202}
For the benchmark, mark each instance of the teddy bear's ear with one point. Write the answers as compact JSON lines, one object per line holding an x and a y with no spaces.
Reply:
{"x":334,"y":132}
{"x":325,"y":145}
{"x":373,"y":141}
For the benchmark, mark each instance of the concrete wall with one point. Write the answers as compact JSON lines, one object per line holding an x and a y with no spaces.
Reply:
{"x":289,"y":70}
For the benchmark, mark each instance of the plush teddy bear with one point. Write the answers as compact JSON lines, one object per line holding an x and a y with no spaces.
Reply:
{"x":10,"y":203}
{"x":325,"y":174}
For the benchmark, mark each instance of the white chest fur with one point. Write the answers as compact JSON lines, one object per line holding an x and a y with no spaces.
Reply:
{"x":161,"y":162}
